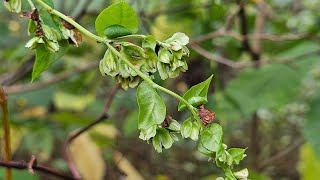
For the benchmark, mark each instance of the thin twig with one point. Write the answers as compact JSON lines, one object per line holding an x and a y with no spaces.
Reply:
{"x":241,"y":65}
{"x":212,"y":56}
{"x":259,"y":36}
{"x":6,"y":130}
{"x":280,"y":155}
{"x":19,"y":88}
{"x":25,"y":68}
{"x":22,"y":165}
{"x":104,"y":115}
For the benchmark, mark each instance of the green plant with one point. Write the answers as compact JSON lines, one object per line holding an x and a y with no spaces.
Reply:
{"x":134,"y":65}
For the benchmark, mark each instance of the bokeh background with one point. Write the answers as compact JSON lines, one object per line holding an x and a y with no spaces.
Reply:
{"x":264,"y":55}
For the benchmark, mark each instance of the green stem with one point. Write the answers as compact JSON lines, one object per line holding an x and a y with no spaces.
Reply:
{"x":71,"y":21}
{"x":107,"y":41}
{"x":31,"y":4}
{"x":156,"y":86}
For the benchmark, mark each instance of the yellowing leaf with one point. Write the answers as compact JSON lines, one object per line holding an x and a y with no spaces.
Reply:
{"x":16,"y":135}
{"x":72,"y":102}
{"x":87,"y":157}
{"x":309,"y":164}
{"x":125,"y":165}
{"x":34,"y":112}
{"x":106,"y":130}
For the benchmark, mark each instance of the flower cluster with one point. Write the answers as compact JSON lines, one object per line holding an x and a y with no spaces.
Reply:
{"x":169,"y":60}
{"x":13,"y":5}
{"x":172,"y":55}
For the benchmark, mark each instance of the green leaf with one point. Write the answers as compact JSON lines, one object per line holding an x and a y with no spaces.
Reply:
{"x":204,"y":150}
{"x":44,"y":58}
{"x":47,"y":18}
{"x":152,"y":109}
{"x":117,"y":14}
{"x":197,"y":101}
{"x":211,"y":138}
{"x":49,"y":2}
{"x":199,"y":90}
{"x":272,"y":86}
{"x":237,"y":154}
{"x":311,"y":127}
{"x":186,"y":128}
{"x":115,"y":31}
{"x":149,"y":42}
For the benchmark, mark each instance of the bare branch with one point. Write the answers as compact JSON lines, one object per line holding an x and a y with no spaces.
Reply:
{"x":213,"y":57}
{"x":280,"y":155}
{"x":104,"y":115}
{"x":19,"y":88}
{"x":22,"y":165}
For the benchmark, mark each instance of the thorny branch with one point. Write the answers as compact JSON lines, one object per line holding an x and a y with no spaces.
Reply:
{"x":104,"y":115}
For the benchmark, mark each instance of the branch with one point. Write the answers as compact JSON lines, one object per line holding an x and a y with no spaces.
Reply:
{"x":32,"y":165}
{"x":244,"y":31}
{"x":25,"y":68}
{"x":258,"y":36}
{"x":175,"y":10}
{"x":241,"y":65}
{"x":6,"y":130}
{"x":277,"y":158}
{"x":19,"y":88}
{"x":104,"y":115}
{"x":213,"y":57}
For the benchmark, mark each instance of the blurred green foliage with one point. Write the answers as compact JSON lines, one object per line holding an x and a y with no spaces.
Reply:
{"x":283,"y":93}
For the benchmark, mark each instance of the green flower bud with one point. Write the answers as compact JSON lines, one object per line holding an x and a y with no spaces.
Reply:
{"x":69,"y":34}
{"x":128,"y":82}
{"x":174,"y":126}
{"x":195,"y":131}
{"x":179,"y":38}
{"x":186,"y":128}
{"x":109,"y":64}
{"x":146,"y":134}
{"x":13,"y":5}
{"x":242,"y":174}
{"x":165,"y":56}
{"x":150,"y":65}
{"x":133,"y":53}
{"x":33,"y":43}
{"x":177,"y":41}
{"x":52,"y":46}
{"x":163,"y":70}
{"x":50,"y":33}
